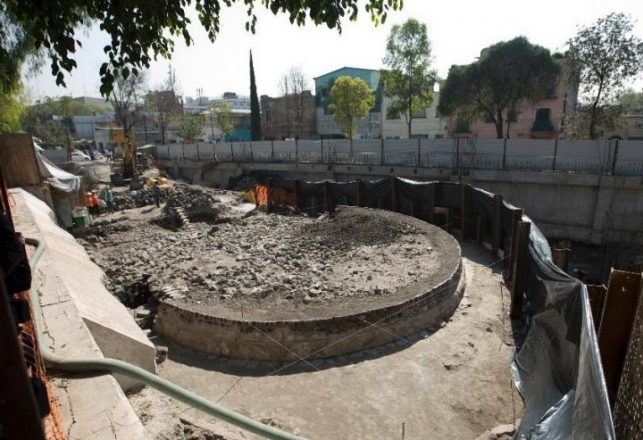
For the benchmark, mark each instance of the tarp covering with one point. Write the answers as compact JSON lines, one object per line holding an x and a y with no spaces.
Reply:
{"x":557,"y":366}
{"x":56,"y":177}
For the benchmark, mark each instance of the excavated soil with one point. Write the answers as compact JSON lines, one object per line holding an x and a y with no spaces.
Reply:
{"x":271,"y":266}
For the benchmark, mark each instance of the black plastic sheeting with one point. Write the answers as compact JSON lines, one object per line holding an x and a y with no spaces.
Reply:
{"x":557,"y":366}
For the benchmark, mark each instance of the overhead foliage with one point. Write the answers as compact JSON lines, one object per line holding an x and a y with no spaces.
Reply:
{"x":507,"y":75}
{"x":605,"y":55}
{"x":409,"y":80}
{"x":141,"y":31}
{"x":351,"y":99}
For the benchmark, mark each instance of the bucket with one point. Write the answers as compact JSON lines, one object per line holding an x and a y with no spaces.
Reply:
{"x":79,"y":217}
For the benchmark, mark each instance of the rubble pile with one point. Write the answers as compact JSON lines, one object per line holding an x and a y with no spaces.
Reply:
{"x":192,"y":199}
{"x":134,"y":199}
{"x":268,"y":260}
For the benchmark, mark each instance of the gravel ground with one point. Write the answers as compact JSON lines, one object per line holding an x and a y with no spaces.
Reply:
{"x":278,"y":266}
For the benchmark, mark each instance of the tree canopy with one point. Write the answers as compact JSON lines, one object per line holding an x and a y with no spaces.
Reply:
{"x":506,"y":75}
{"x":351,"y":99}
{"x":255,"y":110}
{"x":163,"y":104}
{"x":191,"y":127}
{"x":631,"y":101}
{"x":223,"y":118}
{"x":605,"y":55}
{"x":409,"y":81}
{"x":141,"y":30}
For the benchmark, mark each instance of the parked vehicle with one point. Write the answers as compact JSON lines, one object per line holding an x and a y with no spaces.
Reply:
{"x":79,"y":156}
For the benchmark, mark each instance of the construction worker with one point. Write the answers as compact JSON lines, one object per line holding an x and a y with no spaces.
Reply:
{"x":89,"y":204}
{"x":95,"y":203}
{"x":156,"y":192}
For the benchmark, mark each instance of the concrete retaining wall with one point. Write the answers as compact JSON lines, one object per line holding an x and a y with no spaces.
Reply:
{"x":310,"y":339}
{"x":583,"y":207}
{"x":110,"y":324}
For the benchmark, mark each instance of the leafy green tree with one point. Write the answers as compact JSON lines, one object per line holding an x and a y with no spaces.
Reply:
{"x":141,"y":30}
{"x":605,"y":55}
{"x":52,"y":119}
{"x":409,"y":81}
{"x":223,"y":118}
{"x":610,"y":117}
{"x":163,"y":104}
{"x":631,"y":101}
{"x":495,"y":86}
{"x":255,"y":110}
{"x":12,"y":108}
{"x":127,"y":98}
{"x":191,"y":127}
{"x":351,"y":99}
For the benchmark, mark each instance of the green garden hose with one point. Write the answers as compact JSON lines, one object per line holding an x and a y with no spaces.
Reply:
{"x":116,"y":366}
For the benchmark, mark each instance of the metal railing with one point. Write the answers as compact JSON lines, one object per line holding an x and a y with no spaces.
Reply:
{"x":615,"y":157}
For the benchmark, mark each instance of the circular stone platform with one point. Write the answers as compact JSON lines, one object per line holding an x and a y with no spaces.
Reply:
{"x":287,"y":287}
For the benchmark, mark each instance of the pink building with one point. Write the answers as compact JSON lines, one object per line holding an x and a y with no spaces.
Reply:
{"x":542,"y":120}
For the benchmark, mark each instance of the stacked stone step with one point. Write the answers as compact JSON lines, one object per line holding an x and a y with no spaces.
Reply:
{"x":182,"y":218}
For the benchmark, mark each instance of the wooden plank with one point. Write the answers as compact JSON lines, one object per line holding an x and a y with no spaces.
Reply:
{"x":431,"y":202}
{"x":297,"y":191}
{"x":394,"y":198}
{"x":360,"y":192}
{"x":561,"y":258}
{"x":268,"y":195}
{"x":496,"y":225}
{"x":519,"y":285}
{"x":515,"y":221}
{"x":328,"y":204}
{"x":464,"y":209}
{"x":596,"y":295}
{"x":621,"y":302}
{"x":480,"y":229}
{"x":18,"y":160}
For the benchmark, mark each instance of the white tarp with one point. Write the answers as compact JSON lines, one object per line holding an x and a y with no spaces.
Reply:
{"x":56,"y":177}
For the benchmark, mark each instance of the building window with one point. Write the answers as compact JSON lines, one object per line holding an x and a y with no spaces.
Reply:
{"x":439,"y":136}
{"x":268,"y":115}
{"x":462,"y":126}
{"x":543,"y":120}
{"x":512,"y":116}
{"x":420,"y":115}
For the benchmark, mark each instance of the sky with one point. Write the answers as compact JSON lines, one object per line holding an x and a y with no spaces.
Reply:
{"x":457,"y":29}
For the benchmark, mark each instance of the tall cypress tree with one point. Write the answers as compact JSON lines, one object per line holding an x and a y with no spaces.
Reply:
{"x":255,"y":112}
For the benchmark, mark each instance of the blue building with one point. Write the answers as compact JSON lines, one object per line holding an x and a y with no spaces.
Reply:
{"x":367,"y":128}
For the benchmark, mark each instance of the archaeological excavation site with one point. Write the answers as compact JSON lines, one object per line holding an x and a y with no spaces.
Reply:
{"x":285,"y":286}
{"x":318,"y":309}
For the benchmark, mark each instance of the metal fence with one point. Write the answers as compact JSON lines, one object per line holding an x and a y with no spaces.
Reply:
{"x":617,"y":157}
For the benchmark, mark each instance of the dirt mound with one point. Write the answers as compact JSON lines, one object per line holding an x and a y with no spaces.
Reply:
{"x":190,"y":198}
{"x":350,"y":228}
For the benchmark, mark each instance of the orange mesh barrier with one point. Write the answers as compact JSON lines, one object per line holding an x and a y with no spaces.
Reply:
{"x":52,"y":424}
{"x":276,"y":196}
